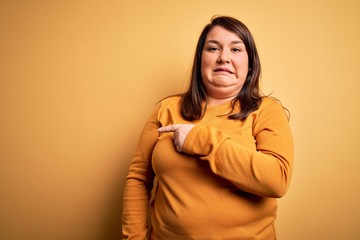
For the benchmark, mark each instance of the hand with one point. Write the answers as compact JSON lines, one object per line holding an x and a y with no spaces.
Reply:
{"x":180,"y":133}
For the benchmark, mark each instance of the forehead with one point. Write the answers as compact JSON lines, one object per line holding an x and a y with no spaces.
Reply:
{"x":221,"y":34}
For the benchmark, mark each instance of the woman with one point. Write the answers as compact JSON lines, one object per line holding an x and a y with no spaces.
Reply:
{"x":219,"y":154}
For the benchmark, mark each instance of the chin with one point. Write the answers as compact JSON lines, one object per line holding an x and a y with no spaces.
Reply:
{"x":220,"y":82}
{"x":219,"y":85}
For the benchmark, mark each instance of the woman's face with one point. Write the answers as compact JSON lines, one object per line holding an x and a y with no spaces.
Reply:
{"x":224,"y":64}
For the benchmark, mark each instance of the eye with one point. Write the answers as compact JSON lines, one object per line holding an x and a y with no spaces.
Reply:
{"x":236,"y":49}
{"x":212,"y":49}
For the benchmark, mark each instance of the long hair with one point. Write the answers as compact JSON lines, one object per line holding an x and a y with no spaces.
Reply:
{"x":249,"y":97}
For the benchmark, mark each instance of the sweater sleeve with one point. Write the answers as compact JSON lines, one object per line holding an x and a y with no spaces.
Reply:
{"x":139,"y":183}
{"x":265,"y":170}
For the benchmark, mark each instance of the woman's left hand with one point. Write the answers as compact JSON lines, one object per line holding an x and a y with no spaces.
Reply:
{"x":180,"y":133}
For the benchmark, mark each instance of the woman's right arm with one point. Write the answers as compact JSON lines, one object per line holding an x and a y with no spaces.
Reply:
{"x":139,"y":182}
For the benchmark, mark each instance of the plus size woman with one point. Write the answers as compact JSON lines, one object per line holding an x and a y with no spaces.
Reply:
{"x":212,"y":161}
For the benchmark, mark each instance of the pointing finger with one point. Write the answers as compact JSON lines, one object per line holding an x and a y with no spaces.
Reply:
{"x":169,"y":128}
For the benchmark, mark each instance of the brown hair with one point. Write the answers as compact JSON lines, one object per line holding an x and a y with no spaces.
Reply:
{"x":249,"y":98}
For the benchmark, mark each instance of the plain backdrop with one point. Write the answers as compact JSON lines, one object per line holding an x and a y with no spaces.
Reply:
{"x":78,"y":79}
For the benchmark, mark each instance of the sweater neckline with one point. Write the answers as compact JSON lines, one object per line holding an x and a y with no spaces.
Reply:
{"x":222,"y":105}
{"x":223,"y":108}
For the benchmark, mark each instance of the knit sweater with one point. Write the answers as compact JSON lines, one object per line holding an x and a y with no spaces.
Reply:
{"x":222,"y":186}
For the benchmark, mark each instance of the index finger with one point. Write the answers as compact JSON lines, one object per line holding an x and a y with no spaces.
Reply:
{"x":169,"y":128}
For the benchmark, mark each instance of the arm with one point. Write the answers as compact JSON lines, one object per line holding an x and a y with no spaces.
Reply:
{"x":265,"y":171}
{"x":139,"y":183}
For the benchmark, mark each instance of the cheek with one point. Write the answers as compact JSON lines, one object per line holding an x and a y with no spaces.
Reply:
{"x":205,"y":66}
{"x":207,"y":59}
{"x":242,"y":67}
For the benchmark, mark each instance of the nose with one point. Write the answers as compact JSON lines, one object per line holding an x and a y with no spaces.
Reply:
{"x":223,"y":57}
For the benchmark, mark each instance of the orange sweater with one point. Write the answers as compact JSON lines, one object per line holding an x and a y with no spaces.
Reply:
{"x":223,"y":185}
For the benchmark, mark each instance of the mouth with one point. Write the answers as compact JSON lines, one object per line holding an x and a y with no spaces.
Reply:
{"x":223,"y":70}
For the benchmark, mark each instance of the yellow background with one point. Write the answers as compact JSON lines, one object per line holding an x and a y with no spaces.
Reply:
{"x":79,"y":78}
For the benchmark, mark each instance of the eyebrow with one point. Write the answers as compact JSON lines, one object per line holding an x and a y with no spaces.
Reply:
{"x":217,"y":42}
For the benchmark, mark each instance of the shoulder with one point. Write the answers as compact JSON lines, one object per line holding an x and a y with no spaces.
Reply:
{"x":167,"y":107}
{"x":270,"y":115}
{"x":174,"y":99}
{"x":270,"y":108}
{"x":269,"y":101}
{"x":170,"y":102}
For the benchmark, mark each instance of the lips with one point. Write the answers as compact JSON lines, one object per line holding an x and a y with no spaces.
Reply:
{"x":224,"y":70}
